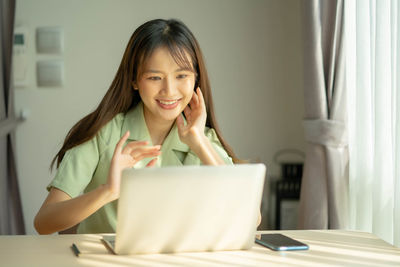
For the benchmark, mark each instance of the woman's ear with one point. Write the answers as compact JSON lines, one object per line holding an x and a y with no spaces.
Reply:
{"x":134,"y":85}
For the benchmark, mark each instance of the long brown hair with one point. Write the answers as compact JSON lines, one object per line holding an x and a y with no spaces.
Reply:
{"x":121,"y":97}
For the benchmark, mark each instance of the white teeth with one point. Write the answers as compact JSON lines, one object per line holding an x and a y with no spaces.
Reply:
{"x":167,"y":102}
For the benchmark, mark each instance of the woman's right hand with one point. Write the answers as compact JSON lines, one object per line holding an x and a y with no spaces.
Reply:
{"x":127,"y":157}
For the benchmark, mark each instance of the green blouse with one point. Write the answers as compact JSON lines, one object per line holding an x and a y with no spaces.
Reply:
{"x":85,"y":167}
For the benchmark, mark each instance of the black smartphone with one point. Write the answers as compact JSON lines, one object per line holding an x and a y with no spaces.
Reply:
{"x":280,"y":242}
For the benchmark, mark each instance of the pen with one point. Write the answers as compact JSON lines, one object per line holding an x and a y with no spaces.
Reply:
{"x":75,"y":250}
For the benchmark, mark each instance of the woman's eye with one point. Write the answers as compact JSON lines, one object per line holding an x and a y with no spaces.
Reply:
{"x":154,"y":78}
{"x":181,"y":76}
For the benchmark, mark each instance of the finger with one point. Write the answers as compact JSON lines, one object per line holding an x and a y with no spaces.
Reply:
{"x":192,"y":104}
{"x":195,"y":97}
{"x":199,"y":99}
{"x":152,"y":163}
{"x":192,"y":101}
{"x":200,"y":96}
{"x":147,"y":155}
{"x":187,"y":111}
{"x":142,"y":150}
{"x":121,"y":142}
{"x":179,"y":122}
{"x":133,"y":145}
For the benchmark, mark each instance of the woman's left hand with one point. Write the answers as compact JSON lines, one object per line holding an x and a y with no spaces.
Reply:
{"x":196,"y":116}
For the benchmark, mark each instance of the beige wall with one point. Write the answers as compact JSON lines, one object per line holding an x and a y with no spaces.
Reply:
{"x":252,"y":50}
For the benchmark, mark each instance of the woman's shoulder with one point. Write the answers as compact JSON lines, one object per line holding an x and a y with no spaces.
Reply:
{"x":211,"y":134}
{"x":112,"y":129}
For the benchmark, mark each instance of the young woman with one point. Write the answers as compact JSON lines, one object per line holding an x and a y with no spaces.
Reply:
{"x":158,"y":111}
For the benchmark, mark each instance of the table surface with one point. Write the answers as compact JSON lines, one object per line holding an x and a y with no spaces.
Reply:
{"x":327,"y":248}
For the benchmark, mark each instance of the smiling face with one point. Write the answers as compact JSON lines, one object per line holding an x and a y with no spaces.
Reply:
{"x":164,"y":87}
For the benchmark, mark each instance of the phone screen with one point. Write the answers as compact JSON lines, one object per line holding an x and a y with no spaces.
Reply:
{"x":280,"y":242}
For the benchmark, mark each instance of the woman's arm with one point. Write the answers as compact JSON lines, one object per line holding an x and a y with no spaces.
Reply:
{"x":59,"y":211}
{"x":206,"y":152}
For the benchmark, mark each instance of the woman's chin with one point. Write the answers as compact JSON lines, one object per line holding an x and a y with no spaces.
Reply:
{"x":169,"y":117}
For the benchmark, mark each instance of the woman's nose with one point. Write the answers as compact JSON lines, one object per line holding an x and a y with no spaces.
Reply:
{"x":169,"y":85}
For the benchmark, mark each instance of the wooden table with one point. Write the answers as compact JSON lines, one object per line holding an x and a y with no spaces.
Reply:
{"x":327,"y":248}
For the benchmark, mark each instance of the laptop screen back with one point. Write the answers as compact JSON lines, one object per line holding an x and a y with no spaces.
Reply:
{"x":189,"y":208}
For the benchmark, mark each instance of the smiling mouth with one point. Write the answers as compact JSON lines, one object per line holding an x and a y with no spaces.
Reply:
{"x":168,"y":102}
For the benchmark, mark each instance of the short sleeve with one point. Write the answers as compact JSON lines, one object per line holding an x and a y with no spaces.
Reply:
{"x":212,"y":136}
{"x":77,"y":168}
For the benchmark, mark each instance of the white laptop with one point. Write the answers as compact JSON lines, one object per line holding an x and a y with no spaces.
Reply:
{"x":188,"y":208}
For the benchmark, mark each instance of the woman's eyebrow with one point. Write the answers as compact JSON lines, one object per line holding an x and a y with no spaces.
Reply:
{"x":158,"y":71}
{"x":183,"y":69}
{"x":152,"y":71}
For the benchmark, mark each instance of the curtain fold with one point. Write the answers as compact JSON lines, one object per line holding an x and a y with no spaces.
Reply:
{"x":324,"y":190}
{"x":10,"y":208}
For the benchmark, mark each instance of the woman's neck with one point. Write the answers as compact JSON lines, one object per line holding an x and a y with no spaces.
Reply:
{"x":158,"y":129}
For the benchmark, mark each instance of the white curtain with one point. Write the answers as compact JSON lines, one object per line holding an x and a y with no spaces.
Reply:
{"x":373,"y":83}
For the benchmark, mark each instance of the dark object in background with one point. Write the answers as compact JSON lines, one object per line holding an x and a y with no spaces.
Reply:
{"x":292,"y":170}
{"x":288,"y":188}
